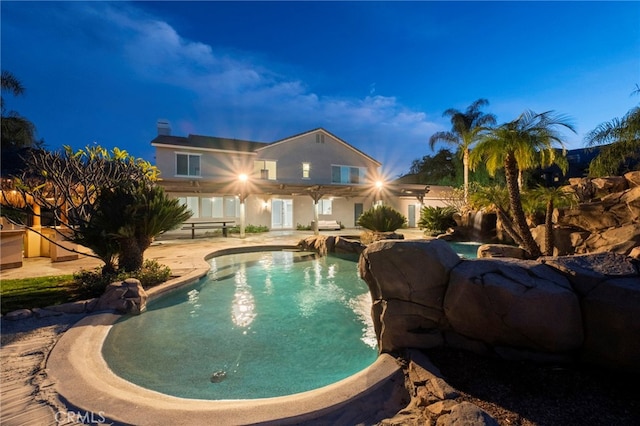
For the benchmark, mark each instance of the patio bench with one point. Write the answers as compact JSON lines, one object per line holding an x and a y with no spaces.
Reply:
{"x":217,"y":224}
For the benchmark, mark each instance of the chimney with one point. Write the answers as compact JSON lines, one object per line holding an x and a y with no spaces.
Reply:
{"x":164,"y":128}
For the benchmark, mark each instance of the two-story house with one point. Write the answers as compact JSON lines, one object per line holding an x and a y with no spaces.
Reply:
{"x":309,"y":177}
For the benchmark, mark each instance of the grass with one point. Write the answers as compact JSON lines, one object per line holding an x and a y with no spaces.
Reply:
{"x":37,"y":292}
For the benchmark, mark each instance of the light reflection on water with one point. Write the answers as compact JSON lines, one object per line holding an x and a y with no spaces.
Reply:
{"x":242,"y":307}
{"x":275,"y":323}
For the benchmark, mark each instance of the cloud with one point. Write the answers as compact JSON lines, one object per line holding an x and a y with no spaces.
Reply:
{"x":156,"y":51}
{"x":214,"y":91}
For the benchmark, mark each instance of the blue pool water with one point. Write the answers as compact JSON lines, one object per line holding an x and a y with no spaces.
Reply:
{"x":261,"y":324}
{"x":467,"y":250}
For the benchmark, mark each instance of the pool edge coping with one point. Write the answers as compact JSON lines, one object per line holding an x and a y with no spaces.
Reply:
{"x":82,"y":379}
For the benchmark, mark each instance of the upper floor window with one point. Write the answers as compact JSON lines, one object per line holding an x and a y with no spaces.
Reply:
{"x":306,"y":170}
{"x":348,"y":174}
{"x":187,"y":164}
{"x":265,"y":169}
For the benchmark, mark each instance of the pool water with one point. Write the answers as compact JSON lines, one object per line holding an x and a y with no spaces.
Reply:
{"x":261,"y":324}
{"x":466,"y":250}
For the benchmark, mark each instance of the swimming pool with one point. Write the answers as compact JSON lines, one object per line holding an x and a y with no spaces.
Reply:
{"x":466,"y":250}
{"x":261,"y":324}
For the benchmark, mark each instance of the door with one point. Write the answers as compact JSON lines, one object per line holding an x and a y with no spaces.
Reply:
{"x":412,"y":216}
{"x":358,"y":209}
{"x":281,"y":214}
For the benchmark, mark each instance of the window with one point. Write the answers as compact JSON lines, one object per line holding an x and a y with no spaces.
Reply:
{"x":187,"y":165}
{"x":211,"y":207}
{"x":192,"y":204}
{"x":324,"y":206}
{"x":306,"y":170}
{"x":231,"y":207}
{"x":265,"y":169}
{"x":319,"y":138}
{"x":346,"y":174}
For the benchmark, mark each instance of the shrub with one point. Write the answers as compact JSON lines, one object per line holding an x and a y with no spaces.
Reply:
{"x":93,"y":283}
{"x":382,"y":219}
{"x":249,"y":229}
{"x":436,"y":220}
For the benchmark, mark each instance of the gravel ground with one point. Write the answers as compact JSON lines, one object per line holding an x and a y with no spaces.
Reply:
{"x":526,"y":394}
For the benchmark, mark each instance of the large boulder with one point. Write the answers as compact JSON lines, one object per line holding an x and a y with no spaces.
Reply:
{"x":592,"y":217}
{"x":501,"y":250}
{"x":415,"y":270}
{"x":565,"y":239}
{"x":403,"y":324}
{"x":619,"y":240}
{"x":553,"y":309}
{"x":510,"y":302}
{"x":610,"y":184}
{"x":126,"y":297}
{"x":609,"y":288}
{"x":407,"y":280}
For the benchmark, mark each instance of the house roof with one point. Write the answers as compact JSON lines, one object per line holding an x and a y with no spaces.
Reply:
{"x":238,"y":145}
{"x":209,"y":143}
{"x":287,"y":139}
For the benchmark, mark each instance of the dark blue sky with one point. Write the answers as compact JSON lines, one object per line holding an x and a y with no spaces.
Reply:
{"x":377,"y":74}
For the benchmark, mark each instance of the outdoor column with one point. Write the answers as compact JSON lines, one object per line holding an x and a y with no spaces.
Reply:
{"x":316,"y":216}
{"x":243,"y":197}
{"x":242,"y":217}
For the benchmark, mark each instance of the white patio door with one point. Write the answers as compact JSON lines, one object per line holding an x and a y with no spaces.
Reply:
{"x":281,"y":214}
{"x":412,"y":216}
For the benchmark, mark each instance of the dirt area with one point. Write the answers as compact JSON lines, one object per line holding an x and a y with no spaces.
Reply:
{"x":526,"y":394}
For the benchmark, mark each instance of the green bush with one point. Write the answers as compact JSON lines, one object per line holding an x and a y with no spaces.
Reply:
{"x":381,"y":219}
{"x":249,"y":229}
{"x":436,"y":220}
{"x":93,"y":283}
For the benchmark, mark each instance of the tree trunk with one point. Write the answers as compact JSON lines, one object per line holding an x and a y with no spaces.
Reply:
{"x":549,"y":242}
{"x":519,"y":220}
{"x":465,"y":169}
{"x":507,"y":226}
{"x":131,"y":255}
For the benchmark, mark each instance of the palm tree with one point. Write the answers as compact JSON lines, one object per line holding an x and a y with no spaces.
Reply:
{"x":551,"y":198}
{"x":496,"y":199}
{"x":17,"y":131}
{"x":502,"y":147}
{"x":466,"y":128}
{"x":623,"y":135}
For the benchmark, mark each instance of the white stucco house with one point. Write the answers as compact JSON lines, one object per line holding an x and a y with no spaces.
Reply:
{"x":312,"y":177}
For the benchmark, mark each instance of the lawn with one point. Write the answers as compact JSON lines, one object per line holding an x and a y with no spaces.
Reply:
{"x":36,"y":292}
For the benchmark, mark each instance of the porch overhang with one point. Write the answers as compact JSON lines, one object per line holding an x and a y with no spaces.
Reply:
{"x":316,"y":191}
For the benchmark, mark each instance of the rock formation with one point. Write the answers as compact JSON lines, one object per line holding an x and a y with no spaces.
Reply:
{"x":127,"y":297}
{"x":606,"y":219}
{"x":574,"y":308}
{"x":331,"y":244}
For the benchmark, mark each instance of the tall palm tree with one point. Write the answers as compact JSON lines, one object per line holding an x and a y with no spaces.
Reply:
{"x":466,"y":128}
{"x":502,"y":147}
